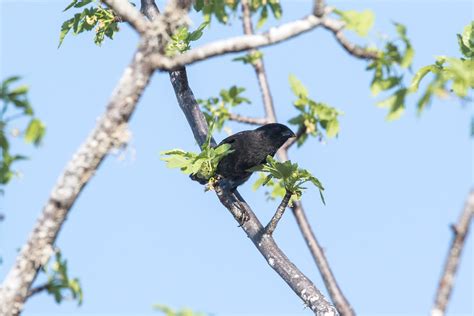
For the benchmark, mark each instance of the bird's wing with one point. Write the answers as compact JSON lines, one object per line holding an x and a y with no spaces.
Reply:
{"x":233,"y":138}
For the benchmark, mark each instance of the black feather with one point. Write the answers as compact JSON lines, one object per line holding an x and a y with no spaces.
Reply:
{"x":250,"y":149}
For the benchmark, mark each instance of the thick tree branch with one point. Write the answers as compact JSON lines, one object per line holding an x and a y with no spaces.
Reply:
{"x":446,"y":282}
{"x":189,"y":105}
{"x":237,"y":44}
{"x":110,"y":132}
{"x":298,"y":282}
{"x":128,"y":13}
{"x":337,"y":27}
{"x":248,"y":120}
{"x":270,"y":228}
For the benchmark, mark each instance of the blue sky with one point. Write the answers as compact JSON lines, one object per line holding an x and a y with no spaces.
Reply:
{"x":142,"y":234}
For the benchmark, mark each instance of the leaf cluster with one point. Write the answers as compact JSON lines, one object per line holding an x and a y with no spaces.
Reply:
{"x":217,"y":109}
{"x":396,"y":56}
{"x":313,"y":117}
{"x":286,"y":175}
{"x":220,"y":9}
{"x":14,"y":105}
{"x":59,"y":281}
{"x":202,"y":165}
{"x":223,"y":9}
{"x":262,"y":7}
{"x":450,"y":74}
{"x":103,"y":20}
{"x":182,"y":38}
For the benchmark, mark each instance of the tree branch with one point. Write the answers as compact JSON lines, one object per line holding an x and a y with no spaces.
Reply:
{"x":259,"y":67}
{"x":37,"y":290}
{"x":342,"y":304}
{"x":110,"y":132}
{"x":270,"y":228}
{"x":128,"y":13}
{"x":454,"y":255}
{"x":297,"y":281}
{"x":149,"y":9}
{"x":248,"y":120}
{"x":318,"y":8}
{"x":336,"y":27}
{"x":237,"y":44}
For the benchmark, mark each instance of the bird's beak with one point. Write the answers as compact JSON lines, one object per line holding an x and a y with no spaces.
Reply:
{"x":289,"y":134}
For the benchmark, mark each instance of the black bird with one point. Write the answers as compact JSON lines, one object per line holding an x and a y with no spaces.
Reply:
{"x":250,"y":149}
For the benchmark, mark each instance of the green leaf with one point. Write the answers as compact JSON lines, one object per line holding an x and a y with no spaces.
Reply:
{"x":263,"y":17}
{"x":198,"y":5}
{"x":276,"y":9}
{"x":395,"y":104}
{"x":466,"y":41}
{"x":461,"y":72}
{"x":59,"y":281}
{"x":70,"y":5}
{"x":82,"y":3}
{"x":332,"y":128}
{"x":8,"y":81}
{"x":23,"y":89}
{"x":222,"y":149}
{"x":297,"y":87}
{"x":203,"y":165}
{"x":286,"y":177}
{"x":261,"y":181}
{"x":420,"y":74}
{"x":65,"y":28}
{"x":396,"y":112}
{"x":194,"y":36}
{"x":359,"y":22}
{"x":407,"y":58}
{"x":35,"y":131}
{"x":250,"y":58}
{"x":379,"y":85}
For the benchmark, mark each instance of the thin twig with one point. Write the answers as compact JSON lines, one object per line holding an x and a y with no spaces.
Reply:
{"x":128,"y":13}
{"x":270,"y":228}
{"x":38,"y":289}
{"x":337,"y":27}
{"x":259,"y":66}
{"x":337,"y":296}
{"x":446,"y":282}
{"x":248,"y":120}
